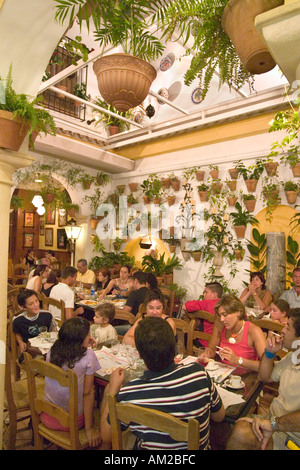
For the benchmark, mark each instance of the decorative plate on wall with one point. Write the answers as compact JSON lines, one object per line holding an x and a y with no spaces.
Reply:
{"x":164,"y":93}
{"x":165,"y":64}
{"x":197,"y":96}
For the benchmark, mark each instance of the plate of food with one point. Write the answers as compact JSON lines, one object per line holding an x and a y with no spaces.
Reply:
{"x":89,"y":302}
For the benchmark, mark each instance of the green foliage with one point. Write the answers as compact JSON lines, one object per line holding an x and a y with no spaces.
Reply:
{"x":242,"y":217}
{"x":20,"y":105}
{"x":94,"y":201}
{"x":253,"y":171}
{"x":152,"y":186}
{"x":213,"y":51}
{"x":109,"y":120}
{"x":258,"y":251}
{"x":180,"y":291}
{"x":159,"y":266}
{"x":108,"y":259}
{"x":127,"y":23}
{"x":81,"y":92}
{"x":77,"y":50}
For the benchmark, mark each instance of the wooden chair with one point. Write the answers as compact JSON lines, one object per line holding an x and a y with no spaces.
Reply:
{"x":16,"y":405}
{"x":16,"y":367}
{"x":74,"y":439}
{"x":195,"y":333}
{"x":182,"y":332}
{"x":120,"y":314}
{"x":20,"y":273}
{"x":60,"y":304}
{"x":163,"y":422}
{"x":269,"y":325}
{"x":170,"y":298}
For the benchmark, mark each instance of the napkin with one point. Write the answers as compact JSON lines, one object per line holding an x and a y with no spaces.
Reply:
{"x":229,"y":398}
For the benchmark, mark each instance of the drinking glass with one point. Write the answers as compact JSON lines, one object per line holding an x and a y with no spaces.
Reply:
{"x":202,"y":357}
{"x":179,"y":351}
{"x":43,"y":332}
{"x":115,"y":346}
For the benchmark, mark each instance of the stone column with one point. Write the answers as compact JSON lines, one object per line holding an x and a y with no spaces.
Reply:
{"x":276,"y":262}
{"x":9,"y":162}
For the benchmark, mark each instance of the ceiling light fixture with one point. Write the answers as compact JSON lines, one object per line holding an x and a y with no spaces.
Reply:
{"x":146,"y":242}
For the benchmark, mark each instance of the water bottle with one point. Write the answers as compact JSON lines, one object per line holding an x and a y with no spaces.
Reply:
{"x":93,"y":291}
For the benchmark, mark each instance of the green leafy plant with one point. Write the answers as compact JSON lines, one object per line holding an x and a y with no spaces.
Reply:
{"x":201,"y":22}
{"x":270,"y":195}
{"x":31,"y":111}
{"x":16,"y":202}
{"x":252,"y":172}
{"x":94,"y":201}
{"x":102,"y":178}
{"x":81,"y":92}
{"x":127,"y":23}
{"x":180,"y":291}
{"x":152,"y":187}
{"x":109,"y":120}
{"x":258,"y":251}
{"x":290,"y":186}
{"x":242,"y":217}
{"x":77,"y":50}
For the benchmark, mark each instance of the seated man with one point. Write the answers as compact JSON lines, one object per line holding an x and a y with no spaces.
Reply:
{"x":137,"y":296}
{"x":63,"y":291}
{"x":272,"y":431}
{"x":292,"y":296}
{"x":212,"y":293}
{"x":185,"y":391}
{"x":85,"y":275}
{"x":27,"y":324}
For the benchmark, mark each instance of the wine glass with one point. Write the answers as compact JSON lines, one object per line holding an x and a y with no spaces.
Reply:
{"x":179,"y":351}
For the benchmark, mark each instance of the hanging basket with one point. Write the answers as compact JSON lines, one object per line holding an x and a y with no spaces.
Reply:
{"x":238,"y":21}
{"x":123,"y":80}
{"x":12,"y":131}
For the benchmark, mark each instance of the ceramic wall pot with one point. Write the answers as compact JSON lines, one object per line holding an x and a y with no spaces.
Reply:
{"x":238,"y":21}
{"x":12,"y":131}
{"x":123,"y":80}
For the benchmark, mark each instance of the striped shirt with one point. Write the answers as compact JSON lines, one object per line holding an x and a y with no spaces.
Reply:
{"x":184,"y":391}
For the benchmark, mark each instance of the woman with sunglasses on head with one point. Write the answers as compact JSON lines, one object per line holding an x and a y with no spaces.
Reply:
{"x":237,"y":342}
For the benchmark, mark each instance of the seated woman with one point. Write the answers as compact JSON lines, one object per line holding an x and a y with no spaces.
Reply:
{"x":52,"y":280}
{"x":122,"y":286}
{"x":279,"y":311}
{"x":103,"y":279}
{"x":30,"y":258}
{"x":242,"y":343}
{"x":70,"y":350}
{"x":155,"y":306}
{"x":35,"y":282}
{"x":256,"y":294}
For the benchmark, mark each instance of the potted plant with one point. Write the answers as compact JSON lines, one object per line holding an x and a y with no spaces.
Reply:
{"x":214,"y":171}
{"x":238,"y":249}
{"x":80,"y":91}
{"x":16,"y":202}
{"x":270,"y":195}
{"x":234,"y":173}
{"x":216,"y":186}
{"x":250,"y":201}
{"x":175,"y":182}
{"x":232,"y":198}
{"x":152,"y":188}
{"x":203,"y":191}
{"x":117,"y":243}
{"x":180,"y":294}
{"x":291,"y":190}
{"x":241,"y":219}
{"x":173,"y":243}
{"x":102,"y":178}
{"x":86,"y":180}
{"x":231,"y":184}
{"x":20,"y":116}
{"x":131,"y":200}
{"x":270,"y":166}
{"x":112,"y":123}
{"x":171,"y":264}
{"x":251,"y":174}
{"x":166,"y":183}
{"x":133,"y":187}
{"x":72,"y":209}
{"x":95,"y":202}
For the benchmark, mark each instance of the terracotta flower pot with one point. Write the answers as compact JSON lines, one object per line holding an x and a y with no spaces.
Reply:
{"x":123,"y":80}
{"x":133,"y":187}
{"x":200,"y":175}
{"x":233,"y":173}
{"x":12,"y":131}
{"x":93,"y":223}
{"x":166,"y":183}
{"x":232,"y":200}
{"x":291,"y":196}
{"x":232,"y":185}
{"x":240,"y":230}
{"x":63,"y":88}
{"x":168,"y":279}
{"x":175,"y":185}
{"x":217,"y":187}
{"x":214,"y":174}
{"x":251,"y":185}
{"x":49,"y":197}
{"x":250,"y":204}
{"x":296,"y":170}
{"x":113,"y":130}
{"x":147,"y":199}
{"x":156,"y":200}
{"x":203,"y":195}
{"x":238,"y":20}
{"x":172,"y":248}
{"x":271,"y":168}
{"x":186,"y":255}
{"x":171,"y":200}
{"x":196,"y":255}
{"x":239,"y":254}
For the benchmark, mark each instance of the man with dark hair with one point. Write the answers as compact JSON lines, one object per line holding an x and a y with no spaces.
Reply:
{"x":184,"y":391}
{"x":282,"y":425}
{"x":137,"y":296}
{"x":63,"y":291}
{"x":213,"y":291}
{"x":292,"y":296}
{"x":27,"y":324}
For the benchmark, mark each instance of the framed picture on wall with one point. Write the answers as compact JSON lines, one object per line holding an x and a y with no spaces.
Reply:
{"x":42,"y":227}
{"x":62,"y":218}
{"x":28,"y":240}
{"x":28,"y":219}
{"x":50,"y":215}
{"x":48,"y":236}
{"x":62,"y":239}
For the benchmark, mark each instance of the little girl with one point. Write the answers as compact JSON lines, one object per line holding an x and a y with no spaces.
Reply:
{"x":102,"y":330}
{"x":279,"y":311}
{"x":70,"y":351}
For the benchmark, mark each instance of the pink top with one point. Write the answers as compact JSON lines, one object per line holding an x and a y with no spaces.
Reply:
{"x":242,"y":348}
{"x":207,"y":306}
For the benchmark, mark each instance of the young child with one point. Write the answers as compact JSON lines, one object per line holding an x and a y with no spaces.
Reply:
{"x":279,"y":311}
{"x":27,"y":324}
{"x":102,"y":330}
{"x":71,"y":351}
